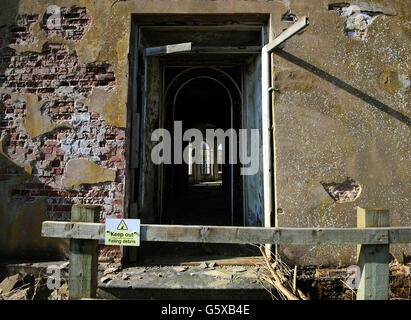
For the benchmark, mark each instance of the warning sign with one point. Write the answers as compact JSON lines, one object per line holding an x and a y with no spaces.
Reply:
{"x":122,"y":225}
{"x":122,"y":232}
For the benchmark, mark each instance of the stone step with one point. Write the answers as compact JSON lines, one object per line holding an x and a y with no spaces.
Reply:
{"x":194,"y":282}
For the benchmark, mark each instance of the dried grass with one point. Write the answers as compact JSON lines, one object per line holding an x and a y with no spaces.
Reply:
{"x":275,"y":273}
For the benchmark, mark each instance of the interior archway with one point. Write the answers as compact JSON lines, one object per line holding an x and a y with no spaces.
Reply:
{"x":202,"y":98}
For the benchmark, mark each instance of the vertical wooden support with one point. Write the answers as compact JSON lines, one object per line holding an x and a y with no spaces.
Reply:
{"x":373,"y":260}
{"x":132,"y":254}
{"x":83,"y":256}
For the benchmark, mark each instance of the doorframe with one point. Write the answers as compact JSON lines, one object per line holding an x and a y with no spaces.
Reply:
{"x":137,"y":104}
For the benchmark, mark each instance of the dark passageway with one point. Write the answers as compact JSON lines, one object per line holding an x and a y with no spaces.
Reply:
{"x":205,"y":194}
{"x":201,"y":193}
{"x":202,"y":204}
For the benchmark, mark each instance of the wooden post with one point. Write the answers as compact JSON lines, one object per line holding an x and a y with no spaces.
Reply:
{"x":131,"y":254}
{"x":373,"y":260}
{"x":83,"y":256}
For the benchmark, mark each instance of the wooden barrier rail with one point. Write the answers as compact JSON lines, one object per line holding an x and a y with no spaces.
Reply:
{"x":217,"y":234}
{"x":372,"y":236}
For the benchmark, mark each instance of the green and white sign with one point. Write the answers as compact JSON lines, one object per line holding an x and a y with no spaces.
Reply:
{"x":122,"y":232}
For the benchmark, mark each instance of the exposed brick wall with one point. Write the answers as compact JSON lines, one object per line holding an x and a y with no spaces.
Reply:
{"x":84,"y":135}
{"x":346,"y":191}
{"x":54,"y":71}
{"x":62,"y":83}
{"x":72,"y":23}
{"x":20,"y":33}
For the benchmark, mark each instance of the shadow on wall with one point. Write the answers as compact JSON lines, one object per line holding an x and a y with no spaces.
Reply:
{"x":20,"y":221}
{"x":8,"y":18}
{"x":22,"y":213}
{"x":41,"y":181}
{"x":345,"y":86}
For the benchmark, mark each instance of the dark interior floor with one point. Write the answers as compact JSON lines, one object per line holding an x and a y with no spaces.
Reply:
{"x":174,"y":253}
{"x":201,"y":204}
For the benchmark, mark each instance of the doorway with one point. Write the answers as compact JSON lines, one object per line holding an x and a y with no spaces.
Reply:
{"x":215,"y":84}
{"x":209,"y":192}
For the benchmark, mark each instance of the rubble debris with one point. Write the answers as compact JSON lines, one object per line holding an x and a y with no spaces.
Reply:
{"x":406,"y":258}
{"x":111,"y":270}
{"x":239,"y":269}
{"x":322,"y":283}
{"x":400,"y":270}
{"x":60,"y":294}
{"x":20,"y":294}
{"x":180,"y":268}
{"x":41,"y":291}
{"x":330,"y":273}
{"x":24,"y":287}
{"x":11,"y":283}
{"x":125,"y":276}
{"x":393,"y":260}
{"x":347,"y":191}
{"x":220,"y":273}
{"x":105,"y":279}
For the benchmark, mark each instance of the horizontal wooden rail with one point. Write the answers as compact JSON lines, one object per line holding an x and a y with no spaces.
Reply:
{"x":372,"y":235}
{"x":219,"y":234}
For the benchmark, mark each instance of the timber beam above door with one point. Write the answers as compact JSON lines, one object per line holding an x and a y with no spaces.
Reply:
{"x":187,"y":47}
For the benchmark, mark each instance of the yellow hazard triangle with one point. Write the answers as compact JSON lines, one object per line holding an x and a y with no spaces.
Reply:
{"x":122,"y":225}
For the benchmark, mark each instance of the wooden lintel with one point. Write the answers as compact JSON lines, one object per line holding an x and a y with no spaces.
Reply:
{"x":230,"y":50}
{"x":169,"y":49}
{"x":188,"y":48}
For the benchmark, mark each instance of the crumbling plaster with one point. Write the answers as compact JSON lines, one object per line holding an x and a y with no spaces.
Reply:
{"x":79,"y":171}
{"x":345,"y":119}
{"x":97,"y":46}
